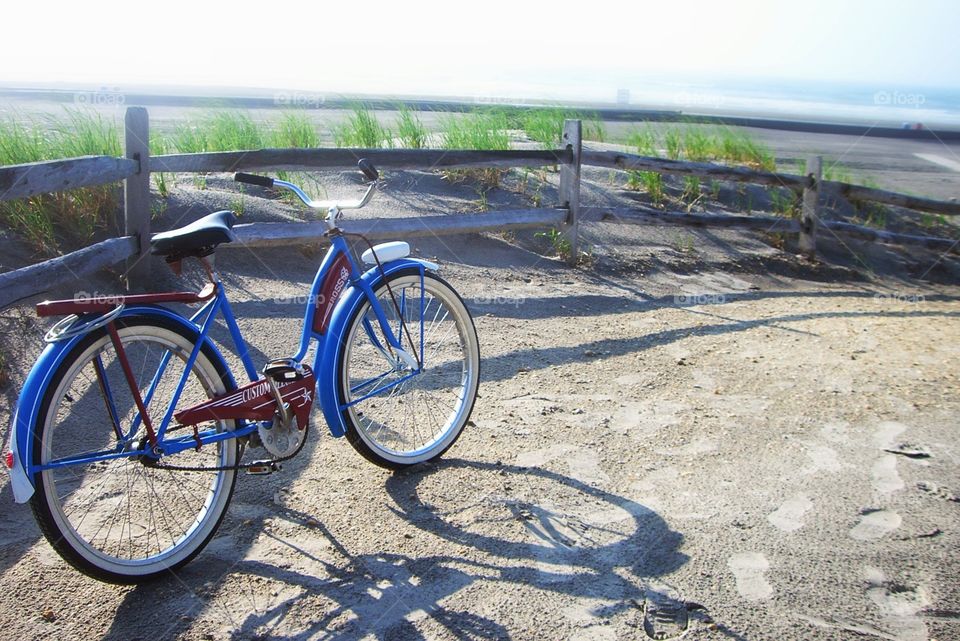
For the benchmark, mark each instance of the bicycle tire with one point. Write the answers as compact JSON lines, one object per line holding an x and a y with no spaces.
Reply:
{"x":375,"y":427}
{"x":126,"y":489}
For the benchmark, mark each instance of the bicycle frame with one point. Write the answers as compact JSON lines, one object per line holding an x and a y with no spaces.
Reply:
{"x":337,"y":290}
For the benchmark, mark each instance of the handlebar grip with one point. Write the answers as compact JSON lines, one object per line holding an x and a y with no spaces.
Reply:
{"x":253,"y":179}
{"x":368,"y":169}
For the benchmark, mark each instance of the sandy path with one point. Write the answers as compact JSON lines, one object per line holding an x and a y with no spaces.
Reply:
{"x":654,"y":450}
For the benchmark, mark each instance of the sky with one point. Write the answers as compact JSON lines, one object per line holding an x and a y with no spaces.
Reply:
{"x":483,"y":48}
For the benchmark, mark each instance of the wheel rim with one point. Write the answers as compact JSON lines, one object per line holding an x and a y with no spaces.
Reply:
{"x":121,"y":515}
{"x":420,"y":417}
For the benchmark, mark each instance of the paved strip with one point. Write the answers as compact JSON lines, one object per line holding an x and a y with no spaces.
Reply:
{"x":940,"y":160}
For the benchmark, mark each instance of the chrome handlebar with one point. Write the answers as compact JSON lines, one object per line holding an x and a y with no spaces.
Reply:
{"x":326,"y":206}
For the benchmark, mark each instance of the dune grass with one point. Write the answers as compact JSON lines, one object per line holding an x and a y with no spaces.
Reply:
{"x":362,"y":129}
{"x":702,"y":144}
{"x":483,"y":130}
{"x":650,"y":182}
{"x":545,"y":125}
{"x":410,"y":130}
{"x":218,"y":131}
{"x":294,"y":130}
{"x":486,"y":130}
{"x":71,"y":218}
{"x":49,"y":220}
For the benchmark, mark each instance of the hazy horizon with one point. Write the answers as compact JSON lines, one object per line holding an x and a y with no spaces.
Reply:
{"x":419,"y":48}
{"x":860,"y":59}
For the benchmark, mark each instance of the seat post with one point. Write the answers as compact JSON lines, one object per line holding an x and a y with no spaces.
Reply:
{"x":209,"y":265}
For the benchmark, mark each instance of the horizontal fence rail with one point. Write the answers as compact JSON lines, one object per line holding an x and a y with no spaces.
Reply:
{"x":306,"y":159}
{"x":267,"y":234}
{"x":618,"y":160}
{"x":23,"y":181}
{"x":31,"y":179}
{"x":869,"y":194}
{"x":34,"y":279}
{"x":643,"y":216}
{"x":883,"y":236}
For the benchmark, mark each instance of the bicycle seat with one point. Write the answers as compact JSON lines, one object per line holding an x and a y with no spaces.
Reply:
{"x":196,"y":239}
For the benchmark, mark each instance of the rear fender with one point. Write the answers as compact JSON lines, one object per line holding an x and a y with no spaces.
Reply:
{"x":26,"y":414}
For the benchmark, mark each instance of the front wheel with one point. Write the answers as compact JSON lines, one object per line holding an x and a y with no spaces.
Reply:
{"x":396,"y":416}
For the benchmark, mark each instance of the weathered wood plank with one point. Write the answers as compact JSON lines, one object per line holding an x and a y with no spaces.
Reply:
{"x":810,"y":213}
{"x":267,"y":234}
{"x":882,"y":236}
{"x":617,"y":160}
{"x":856,"y":192}
{"x":306,"y":159}
{"x":569,"y":191}
{"x":36,"y":279}
{"x":23,"y":181}
{"x":136,"y":195}
{"x":643,"y":216}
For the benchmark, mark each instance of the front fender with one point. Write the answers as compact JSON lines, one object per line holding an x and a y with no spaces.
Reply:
{"x":26,"y":413}
{"x":328,"y":358}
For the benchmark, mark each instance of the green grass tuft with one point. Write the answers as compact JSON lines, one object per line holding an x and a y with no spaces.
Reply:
{"x":294,"y":130}
{"x":362,"y":129}
{"x":412,"y":133}
{"x":218,"y":131}
{"x":487,"y":130}
{"x":71,"y":218}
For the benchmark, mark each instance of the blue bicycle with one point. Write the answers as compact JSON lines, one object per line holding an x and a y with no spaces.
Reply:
{"x":131,"y":428}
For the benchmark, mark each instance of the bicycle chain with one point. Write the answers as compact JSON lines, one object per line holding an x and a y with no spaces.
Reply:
{"x":238,"y":466}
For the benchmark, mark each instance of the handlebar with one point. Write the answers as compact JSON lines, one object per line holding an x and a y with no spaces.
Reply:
{"x":253,"y":179}
{"x":322,"y":205}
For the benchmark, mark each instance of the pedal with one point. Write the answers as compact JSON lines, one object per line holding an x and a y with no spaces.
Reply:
{"x":263,"y":468}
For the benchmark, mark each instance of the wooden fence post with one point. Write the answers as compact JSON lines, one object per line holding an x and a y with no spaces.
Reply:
{"x":810,"y":216}
{"x":570,"y":187}
{"x":136,"y":195}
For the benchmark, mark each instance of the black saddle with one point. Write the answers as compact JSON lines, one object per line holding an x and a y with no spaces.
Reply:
{"x":199,"y":238}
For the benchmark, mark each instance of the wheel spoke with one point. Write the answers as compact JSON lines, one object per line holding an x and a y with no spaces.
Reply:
{"x":123,"y":518}
{"x":418,"y":418}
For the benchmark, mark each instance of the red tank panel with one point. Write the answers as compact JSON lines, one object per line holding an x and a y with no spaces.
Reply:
{"x":333,"y":285}
{"x":254,"y":402}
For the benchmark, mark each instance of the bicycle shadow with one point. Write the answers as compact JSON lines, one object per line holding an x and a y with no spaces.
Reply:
{"x":540,"y":541}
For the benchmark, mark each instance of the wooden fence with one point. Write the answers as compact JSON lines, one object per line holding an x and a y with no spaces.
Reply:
{"x":22,"y":181}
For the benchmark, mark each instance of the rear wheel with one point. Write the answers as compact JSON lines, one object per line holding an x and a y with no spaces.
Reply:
{"x":125,"y":520}
{"x":396,"y":417}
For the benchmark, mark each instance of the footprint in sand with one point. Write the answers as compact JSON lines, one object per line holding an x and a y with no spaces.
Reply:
{"x":748,"y":569}
{"x":822,"y":459}
{"x":584,"y":464}
{"x":874,"y":525}
{"x":886,"y":432}
{"x":899,"y":605}
{"x":884,"y":475}
{"x":585,"y":467}
{"x":789,"y":516}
